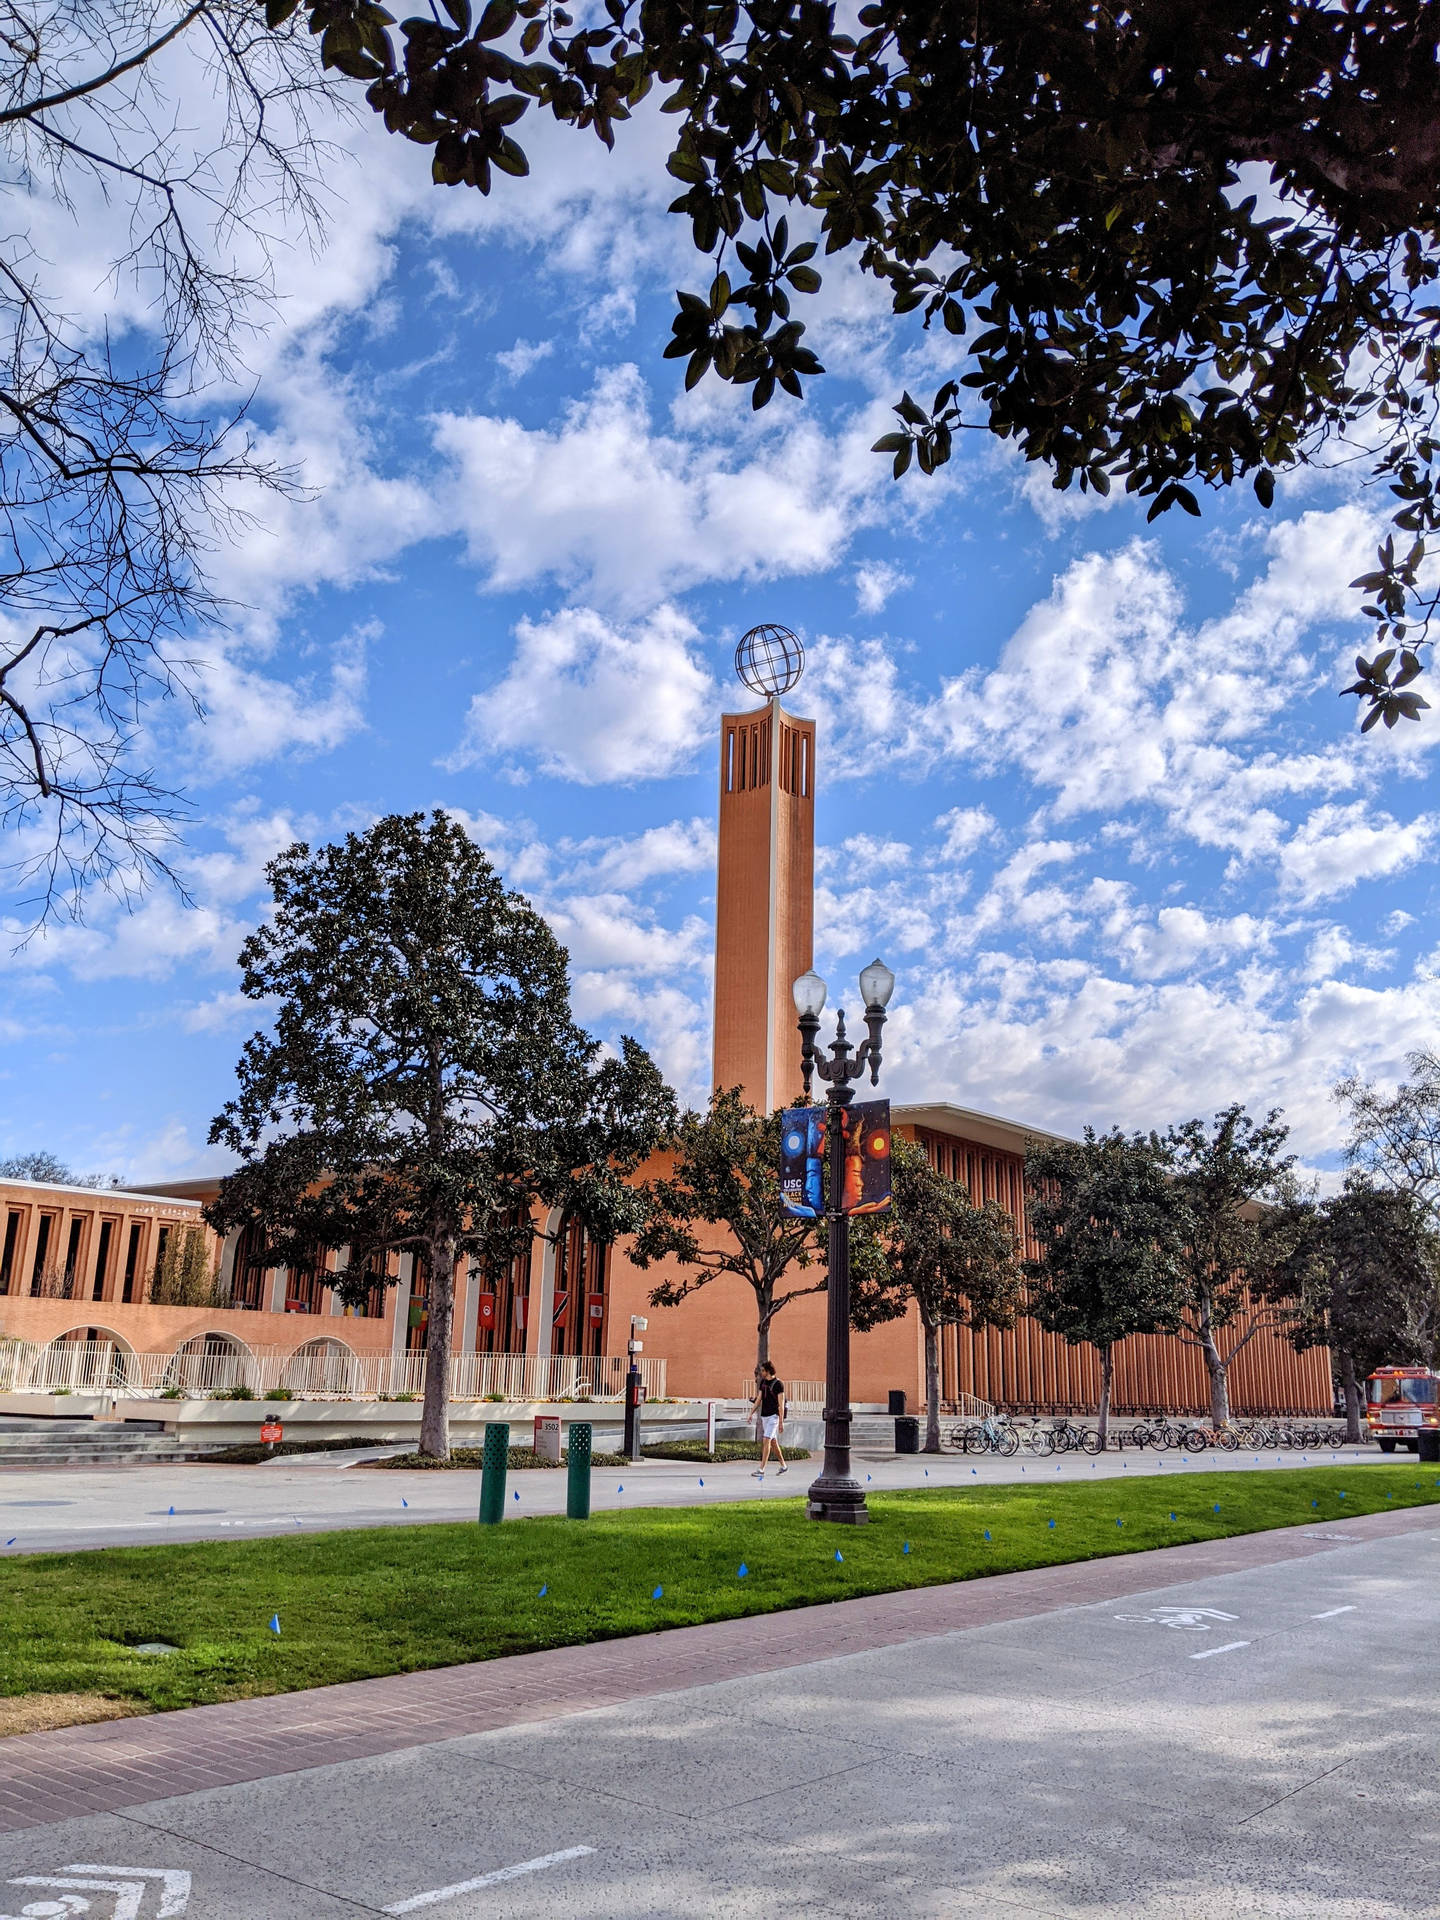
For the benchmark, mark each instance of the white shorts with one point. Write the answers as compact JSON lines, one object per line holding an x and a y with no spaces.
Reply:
{"x":770,"y":1426}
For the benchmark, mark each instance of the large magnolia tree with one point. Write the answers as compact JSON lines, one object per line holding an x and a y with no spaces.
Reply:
{"x":1168,"y":247}
{"x":421,"y":1084}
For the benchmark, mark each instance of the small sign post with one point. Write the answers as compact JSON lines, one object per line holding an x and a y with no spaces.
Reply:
{"x":710,"y":1426}
{"x":271,"y":1433}
{"x":547,"y":1437}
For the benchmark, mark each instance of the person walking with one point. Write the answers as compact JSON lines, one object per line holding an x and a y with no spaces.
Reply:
{"x":769,"y":1403}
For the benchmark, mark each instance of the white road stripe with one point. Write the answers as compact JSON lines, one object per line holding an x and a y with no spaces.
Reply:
{"x":1330,"y":1615}
{"x":418,"y":1900}
{"x":1208,"y":1653}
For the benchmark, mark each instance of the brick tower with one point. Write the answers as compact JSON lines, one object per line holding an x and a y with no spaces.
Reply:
{"x":764,"y":896}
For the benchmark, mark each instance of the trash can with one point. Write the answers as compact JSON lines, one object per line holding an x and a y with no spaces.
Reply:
{"x":897,"y":1401}
{"x":907,"y":1434}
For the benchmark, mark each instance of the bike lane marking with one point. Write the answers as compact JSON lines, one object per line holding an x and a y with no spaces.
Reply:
{"x":493,"y":1879}
{"x":1209,"y":1653}
{"x":1331,"y":1612}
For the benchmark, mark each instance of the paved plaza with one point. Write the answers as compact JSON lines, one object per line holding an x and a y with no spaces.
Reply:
{"x":45,"y":1508}
{"x":1239,"y":1727}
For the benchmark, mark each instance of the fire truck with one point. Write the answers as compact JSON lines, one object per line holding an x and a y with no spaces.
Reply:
{"x":1402,"y":1408}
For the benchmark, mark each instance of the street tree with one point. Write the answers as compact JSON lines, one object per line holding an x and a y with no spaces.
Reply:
{"x":958,"y":1263}
{"x":1167,"y":248}
{"x":153,"y":152}
{"x":1231,"y":1185}
{"x":1103,"y":1212}
{"x":725,"y":1177}
{"x":1362,"y":1270}
{"x":43,"y":1165}
{"x":422,"y":1086}
{"x":1395,"y":1137}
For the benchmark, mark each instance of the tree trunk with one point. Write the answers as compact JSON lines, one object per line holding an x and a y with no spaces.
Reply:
{"x":762,"y":1354}
{"x":1107,"y":1381}
{"x":932,"y":1388}
{"x":435,"y":1416}
{"x":1219,"y":1371}
{"x":1352,"y":1397}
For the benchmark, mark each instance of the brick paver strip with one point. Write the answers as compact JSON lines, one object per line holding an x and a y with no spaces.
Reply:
{"x":45,"y":1777}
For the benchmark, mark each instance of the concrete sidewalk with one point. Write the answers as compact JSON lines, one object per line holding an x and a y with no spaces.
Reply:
{"x":46,"y":1509}
{"x":1249,"y":1739}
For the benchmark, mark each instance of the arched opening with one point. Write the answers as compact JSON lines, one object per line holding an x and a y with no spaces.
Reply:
{"x":321,"y":1367}
{"x":84,"y":1360}
{"x":210,"y":1363}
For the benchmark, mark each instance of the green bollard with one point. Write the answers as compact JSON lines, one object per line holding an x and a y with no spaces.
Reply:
{"x":577,"y":1494}
{"x":492,"y":1483}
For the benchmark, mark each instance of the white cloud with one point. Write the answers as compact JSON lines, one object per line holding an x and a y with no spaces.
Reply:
{"x":252,"y":716}
{"x":524,"y":356}
{"x":875,"y":582}
{"x":591,"y":701}
{"x":681,"y":846}
{"x":627,"y":516}
{"x":965,"y":829}
{"x":1335,"y":847}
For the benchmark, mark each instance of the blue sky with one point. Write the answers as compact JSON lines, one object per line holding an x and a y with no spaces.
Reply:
{"x":1085,"y":784}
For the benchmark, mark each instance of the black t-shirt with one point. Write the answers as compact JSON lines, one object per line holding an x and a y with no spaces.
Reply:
{"x":770,"y":1392}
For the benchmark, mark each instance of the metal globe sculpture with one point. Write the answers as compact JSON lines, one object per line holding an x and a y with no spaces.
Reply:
{"x":769,"y":660}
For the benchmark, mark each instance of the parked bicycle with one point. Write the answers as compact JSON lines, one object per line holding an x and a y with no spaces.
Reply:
{"x":993,"y":1434}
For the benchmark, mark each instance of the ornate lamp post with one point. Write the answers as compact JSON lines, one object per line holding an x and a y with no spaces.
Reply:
{"x":836,"y":1494}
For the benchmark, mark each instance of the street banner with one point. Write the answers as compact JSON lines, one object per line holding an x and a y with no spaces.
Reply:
{"x":597,"y":1308}
{"x":865,"y":1181}
{"x":487,"y":1311}
{"x":560,"y":1313}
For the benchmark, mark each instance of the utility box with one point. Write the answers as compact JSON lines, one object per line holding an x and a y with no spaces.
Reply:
{"x":907,"y":1433}
{"x":547,"y":1437}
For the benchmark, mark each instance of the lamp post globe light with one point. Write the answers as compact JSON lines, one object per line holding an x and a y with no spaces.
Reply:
{"x":836,"y":1494}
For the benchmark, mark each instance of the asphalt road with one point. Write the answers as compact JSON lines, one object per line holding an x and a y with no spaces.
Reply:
{"x":46,"y":1508}
{"x":1257,"y":1744}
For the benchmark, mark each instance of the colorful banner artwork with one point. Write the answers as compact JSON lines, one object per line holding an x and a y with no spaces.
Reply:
{"x":487,"y":1311}
{"x":865,"y":1181}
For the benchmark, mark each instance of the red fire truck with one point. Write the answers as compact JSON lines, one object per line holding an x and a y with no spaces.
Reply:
{"x":1402,"y":1405}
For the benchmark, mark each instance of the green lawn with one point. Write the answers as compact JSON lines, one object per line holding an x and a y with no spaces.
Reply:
{"x":388,"y":1600}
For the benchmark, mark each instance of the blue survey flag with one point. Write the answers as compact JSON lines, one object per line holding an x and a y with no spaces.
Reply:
{"x":838,"y":1554}
{"x":987,"y":1533}
{"x":906,"y":1547}
{"x":275,"y":1623}
{"x":1052,"y":1526}
{"x":658,"y":1594}
{"x":544,"y":1590}
{"x":741,"y":1571}
{"x":403,"y":1501}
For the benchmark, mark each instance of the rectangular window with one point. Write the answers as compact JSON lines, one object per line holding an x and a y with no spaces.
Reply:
{"x":72,"y":1255}
{"x":12,"y":1241}
{"x":162,"y":1247}
{"x":102,"y":1259}
{"x":42,"y":1248}
{"x":132,"y":1261}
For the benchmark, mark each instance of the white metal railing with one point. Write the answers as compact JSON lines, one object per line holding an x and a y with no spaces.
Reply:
{"x":317,"y":1371}
{"x":970,"y":1407}
{"x":798,"y":1393}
